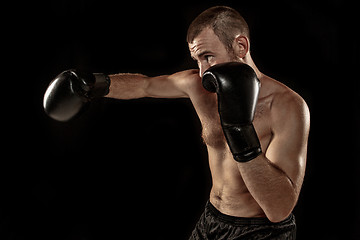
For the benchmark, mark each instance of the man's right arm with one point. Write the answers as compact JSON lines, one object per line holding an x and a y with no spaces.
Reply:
{"x":132,"y":86}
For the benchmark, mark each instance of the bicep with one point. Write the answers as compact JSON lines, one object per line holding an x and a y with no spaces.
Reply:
{"x":288,"y":147}
{"x":176,"y":85}
{"x":163,"y":87}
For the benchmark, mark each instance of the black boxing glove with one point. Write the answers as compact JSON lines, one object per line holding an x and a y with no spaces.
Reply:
{"x":71,"y":90}
{"x":237,"y":88}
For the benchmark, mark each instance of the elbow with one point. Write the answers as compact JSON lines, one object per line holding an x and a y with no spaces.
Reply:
{"x":279,"y":216}
{"x":281,"y":211}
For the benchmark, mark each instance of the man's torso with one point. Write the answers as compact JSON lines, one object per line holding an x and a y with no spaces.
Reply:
{"x":229,"y":193}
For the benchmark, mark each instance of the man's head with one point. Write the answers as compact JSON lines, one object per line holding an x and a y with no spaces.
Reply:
{"x":219,"y":34}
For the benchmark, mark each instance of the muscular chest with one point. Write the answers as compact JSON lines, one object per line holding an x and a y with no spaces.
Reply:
{"x":212,"y":132}
{"x":262,"y":123}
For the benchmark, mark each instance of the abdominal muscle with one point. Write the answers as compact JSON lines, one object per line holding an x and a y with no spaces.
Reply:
{"x":229,"y":193}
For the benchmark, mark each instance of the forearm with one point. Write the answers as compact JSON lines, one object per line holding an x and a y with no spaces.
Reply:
{"x":128,"y":86}
{"x":270,"y":187}
{"x":132,"y":86}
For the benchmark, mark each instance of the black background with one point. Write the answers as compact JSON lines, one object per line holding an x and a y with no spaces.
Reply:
{"x":137,"y":169}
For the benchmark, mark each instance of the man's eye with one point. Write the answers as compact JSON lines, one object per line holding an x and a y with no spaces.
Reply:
{"x":209,"y":58}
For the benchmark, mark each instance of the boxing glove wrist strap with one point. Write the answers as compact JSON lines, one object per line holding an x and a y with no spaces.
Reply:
{"x":102,"y":85}
{"x":243,"y":142}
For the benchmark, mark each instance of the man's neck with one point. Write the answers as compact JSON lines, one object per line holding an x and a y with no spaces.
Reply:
{"x":248,"y":60}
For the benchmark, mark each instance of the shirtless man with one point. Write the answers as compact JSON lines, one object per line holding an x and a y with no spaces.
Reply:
{"x":253,"y":199}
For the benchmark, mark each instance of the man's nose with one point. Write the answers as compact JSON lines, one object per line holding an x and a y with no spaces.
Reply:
{"x":202,"y":69}
{"x":201,"y":73}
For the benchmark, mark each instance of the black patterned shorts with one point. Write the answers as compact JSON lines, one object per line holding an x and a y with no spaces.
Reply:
{"x":214,"y":225}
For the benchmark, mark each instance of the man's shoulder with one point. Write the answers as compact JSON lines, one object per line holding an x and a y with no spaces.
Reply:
{"x":187,"y":75}
{"x":285,"y":101}
{"x":189,"y":81}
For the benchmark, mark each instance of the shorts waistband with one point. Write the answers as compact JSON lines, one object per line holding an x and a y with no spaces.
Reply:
{"x":241,"y":220}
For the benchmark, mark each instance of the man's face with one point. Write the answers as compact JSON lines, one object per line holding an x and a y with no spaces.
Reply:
{"x":208,"y":50}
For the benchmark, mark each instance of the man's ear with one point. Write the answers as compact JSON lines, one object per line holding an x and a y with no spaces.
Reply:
{"x":241,"y":46}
